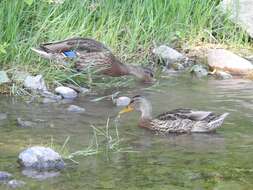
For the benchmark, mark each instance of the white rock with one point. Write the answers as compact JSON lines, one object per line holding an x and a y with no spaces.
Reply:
{"x":228,"y":61}
{"x":66,"y":92}
{"x":38,"y":157}
{"x":167,"y":54}
{"x":122,"y":101}
{"x":35,"y":83}
{"x":241,"y":12}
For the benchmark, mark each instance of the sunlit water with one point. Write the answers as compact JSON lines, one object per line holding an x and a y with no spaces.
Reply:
{"x":141,"y":160}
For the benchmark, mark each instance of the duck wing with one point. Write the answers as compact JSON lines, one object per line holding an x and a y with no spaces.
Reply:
{"x":184,"y":113}
{"x":78,"y":44}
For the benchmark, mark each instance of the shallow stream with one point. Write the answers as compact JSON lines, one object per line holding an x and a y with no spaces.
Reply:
{"x":141,"y":160}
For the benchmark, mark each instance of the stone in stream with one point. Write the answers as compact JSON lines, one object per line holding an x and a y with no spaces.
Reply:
{"x":227,"y":61}
{"x":3,"y":116}
{"x":240,"y":12}
{"x":66,"y":92}
{"x":199,"y":71}
{"x":40,"y":158}
{"x":25,"y":124}
{"x":75,"y":109}
{"x":122,"y":101}
{"x":40,"y":175}
{"x":35,"y":83}
{"x":4,"y":77}
{"x":15,"y":183}
{"x":4,"y":176}
{"x":19,"y":76}
{"x":167,"y":55}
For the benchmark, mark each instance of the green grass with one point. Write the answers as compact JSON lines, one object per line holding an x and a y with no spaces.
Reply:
{"x":129,"y":27}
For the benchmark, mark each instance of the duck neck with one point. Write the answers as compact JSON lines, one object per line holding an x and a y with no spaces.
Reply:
{"x":135,"y":71}
{"x":146,"y":110}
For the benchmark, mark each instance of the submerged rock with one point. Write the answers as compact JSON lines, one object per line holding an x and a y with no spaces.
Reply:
{"x":4,"y":176}
{"x":75,"y":109}
{"x":3,"y":116}
{"x":4,"y":77}
{"x":15,"y":183}
{"x":122,"y":101}
{"x":167,"y":55}
{"x":25,"y":124}
{"x":66,"y":92}
{"x":40,"y":175}
{"x":199,"y":71}
{"x":227,"y":61}
{"x":35,"y":83}
{"x":40,"y":158}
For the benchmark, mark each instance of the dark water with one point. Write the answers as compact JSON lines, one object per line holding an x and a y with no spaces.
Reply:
{"x":141,"y":160}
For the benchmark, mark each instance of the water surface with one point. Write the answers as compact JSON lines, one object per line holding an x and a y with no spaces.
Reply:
{"x":198,"y":161}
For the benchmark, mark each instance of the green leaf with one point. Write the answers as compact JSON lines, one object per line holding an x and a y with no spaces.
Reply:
{"x":29,"y":2}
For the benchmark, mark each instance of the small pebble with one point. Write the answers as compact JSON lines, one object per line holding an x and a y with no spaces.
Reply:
{"x":66,"y":92}
{"x":122,"y":101}
{"x":15,"y":183}
{"x":4,"y":176}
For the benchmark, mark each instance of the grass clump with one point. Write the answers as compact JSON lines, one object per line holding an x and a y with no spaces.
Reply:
{"x":129,"y":27}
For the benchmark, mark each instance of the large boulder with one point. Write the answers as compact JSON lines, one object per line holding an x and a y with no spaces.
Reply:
{"x":40,"y":158}
{"x":240,"y":12}
{"x":227,"y":61}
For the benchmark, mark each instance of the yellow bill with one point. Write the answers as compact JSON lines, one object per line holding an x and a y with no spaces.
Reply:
{"x":126,"y":109}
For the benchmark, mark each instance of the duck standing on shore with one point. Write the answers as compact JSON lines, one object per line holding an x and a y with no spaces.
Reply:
{"x":175,"y":121}
{"x":86,"y":52}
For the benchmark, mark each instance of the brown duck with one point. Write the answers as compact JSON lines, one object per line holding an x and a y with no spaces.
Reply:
{"x":176,"y":121}
{"x":89,"y":53}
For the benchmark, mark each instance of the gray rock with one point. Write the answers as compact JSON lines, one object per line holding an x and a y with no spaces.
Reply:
{"x":122,"y":101}
{"x":3,"y":116}
{"x":40,"y":175}
{"x":4,"y":77}
{"x":50,"y":95}
{"x":40,"y":158}
{"x":4,"y":176}
{"x":66,"y":92}
{"x":48,"y":101}
{"x":223,"y":75}
{"x":15,"y":183}
{"x":199,"y":71}
{"x":228,"y":61}
{"x":241,"y":12}
{"x":75,"y":109}
{"x":167,"y":55}
{"x":35,"y":83}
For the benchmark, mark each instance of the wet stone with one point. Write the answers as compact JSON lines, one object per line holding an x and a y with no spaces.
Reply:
{"x":15,"y":183}
{"x":75,"y":109}
{"x":4,"y":176}
{"x":66,"y":92}
{"x":40,"y":158}
{"x":122,"y":101}
{"x":223,"y":75}
{"x":199,"y":71}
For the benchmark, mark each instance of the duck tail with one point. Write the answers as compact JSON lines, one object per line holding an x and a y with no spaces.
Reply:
{"x":42,"y":53}
{"x":217,"y":122}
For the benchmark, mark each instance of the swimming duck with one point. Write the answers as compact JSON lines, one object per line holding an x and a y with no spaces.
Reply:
{"x":175,"y":121}
{"x":85,"y":52}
